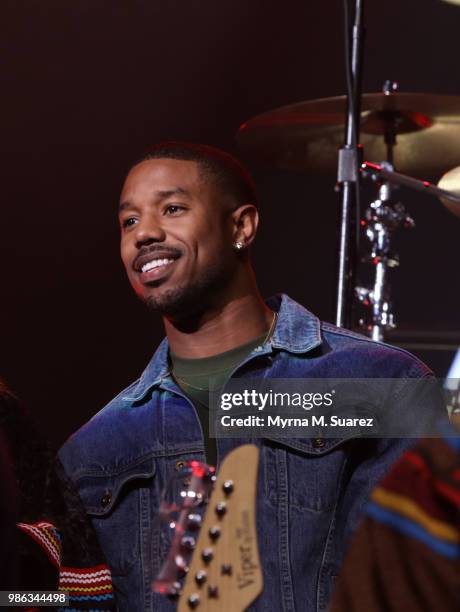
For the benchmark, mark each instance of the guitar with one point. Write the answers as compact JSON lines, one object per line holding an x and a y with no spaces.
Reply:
{"x":221,"y":567}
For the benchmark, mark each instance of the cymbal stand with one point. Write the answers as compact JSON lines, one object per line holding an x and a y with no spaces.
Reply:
{"x":382,"y":218}
{"x":378,"y":172}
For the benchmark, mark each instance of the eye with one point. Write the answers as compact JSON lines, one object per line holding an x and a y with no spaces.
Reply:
{"x":173,"y":209}
{"x":128,"y":222}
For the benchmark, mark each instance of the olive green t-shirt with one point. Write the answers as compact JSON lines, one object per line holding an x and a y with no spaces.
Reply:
{"x":194,"y":375}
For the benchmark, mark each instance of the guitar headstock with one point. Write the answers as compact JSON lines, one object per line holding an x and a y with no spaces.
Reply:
{"x":224,"y":572}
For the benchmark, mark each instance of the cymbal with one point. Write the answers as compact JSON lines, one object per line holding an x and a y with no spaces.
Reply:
{"x":451,"y":182}
{"x":306,"y":136}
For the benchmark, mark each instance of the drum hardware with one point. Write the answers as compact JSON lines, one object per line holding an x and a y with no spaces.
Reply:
{"x":415,"y":132}
{"x":382,"y":218}
{"x":449,"y":197}
{"x":448,"y":189}
{"x":306,"y":135}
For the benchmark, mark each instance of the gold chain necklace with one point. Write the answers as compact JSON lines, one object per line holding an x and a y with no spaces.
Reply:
{"x":267,"y":337}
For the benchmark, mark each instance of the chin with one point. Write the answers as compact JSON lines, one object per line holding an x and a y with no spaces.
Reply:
{"x":174,"y":301}
{"x":190,"y":298}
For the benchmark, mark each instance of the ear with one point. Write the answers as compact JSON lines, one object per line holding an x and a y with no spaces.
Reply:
{"x":245,"y":223}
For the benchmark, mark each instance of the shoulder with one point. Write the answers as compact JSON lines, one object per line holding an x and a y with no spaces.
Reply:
{"x":339,"y":352}
{"x":385,"y":359}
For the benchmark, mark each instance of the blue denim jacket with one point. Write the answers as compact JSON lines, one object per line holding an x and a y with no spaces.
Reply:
{"x":310,"y":492}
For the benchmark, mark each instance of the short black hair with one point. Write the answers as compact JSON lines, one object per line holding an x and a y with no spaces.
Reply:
{"x":228,"y":173}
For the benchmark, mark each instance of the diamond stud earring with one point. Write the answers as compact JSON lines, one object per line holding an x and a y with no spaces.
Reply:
{"x":238,"y":245}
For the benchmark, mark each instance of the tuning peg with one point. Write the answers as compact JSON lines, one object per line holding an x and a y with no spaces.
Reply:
{"x":226,"y":569}
{"x":214,"y":532}
{"x":193,"y":601}
{"x":207,"y":555}
{"x":213,"y":592}
{"x":221,"y":508}
{"x":201,"y":577}
{"x":228,"y":487}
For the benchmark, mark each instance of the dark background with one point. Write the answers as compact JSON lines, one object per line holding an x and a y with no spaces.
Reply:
{"x":88,"y":85}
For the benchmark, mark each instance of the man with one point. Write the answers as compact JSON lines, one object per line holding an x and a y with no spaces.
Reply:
{"x":188,"y":215}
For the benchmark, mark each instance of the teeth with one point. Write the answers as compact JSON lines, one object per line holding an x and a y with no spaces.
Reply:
{"x":155,"y":263}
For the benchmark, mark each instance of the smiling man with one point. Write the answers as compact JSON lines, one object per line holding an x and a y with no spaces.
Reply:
{"x":181,"y":225}
{"x":188,"y":215}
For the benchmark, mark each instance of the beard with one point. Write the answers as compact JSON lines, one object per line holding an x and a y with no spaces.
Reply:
{"x":192,"y":298}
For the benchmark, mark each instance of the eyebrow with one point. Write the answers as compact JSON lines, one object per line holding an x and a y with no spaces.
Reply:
{"x":159,"y":195}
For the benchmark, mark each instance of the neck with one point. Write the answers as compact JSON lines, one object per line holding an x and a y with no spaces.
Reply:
{"x":235,"y":320}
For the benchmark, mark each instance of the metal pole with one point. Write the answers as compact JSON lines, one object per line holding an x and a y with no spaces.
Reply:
{"x":396,"y":178}
{"x":348,"y":176}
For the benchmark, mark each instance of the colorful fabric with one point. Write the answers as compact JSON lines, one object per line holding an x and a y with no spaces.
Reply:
{"x":406,"y":553}
{"x":47,"y":536}
{"x":420,"y":498}
{"x":88,"y":588}
{"x":55,"y":546}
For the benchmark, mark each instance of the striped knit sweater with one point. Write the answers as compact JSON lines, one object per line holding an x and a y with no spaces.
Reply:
{"x":405,"y":556}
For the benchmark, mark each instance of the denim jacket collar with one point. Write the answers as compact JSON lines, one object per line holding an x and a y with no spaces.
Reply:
{"x":297,"y":331}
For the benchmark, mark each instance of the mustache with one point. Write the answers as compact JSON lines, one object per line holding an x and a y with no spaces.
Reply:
{"x":158,"y":248}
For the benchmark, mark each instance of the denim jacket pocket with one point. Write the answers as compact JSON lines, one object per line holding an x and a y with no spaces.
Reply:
{"x":311,"y":469}
{"x":112,"y":500}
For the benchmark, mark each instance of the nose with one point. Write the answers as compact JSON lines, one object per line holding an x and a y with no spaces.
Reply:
{"x":147,"y":232}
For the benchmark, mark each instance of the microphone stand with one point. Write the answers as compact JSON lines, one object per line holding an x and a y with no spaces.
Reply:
{"x":348,"y":176}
